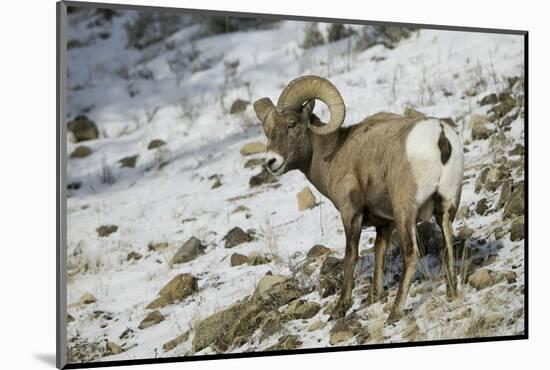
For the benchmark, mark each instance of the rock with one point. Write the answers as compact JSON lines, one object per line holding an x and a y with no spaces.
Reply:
{"x":240,"y":208}
{"x":112,"y":348}
{"x":507,"y":103}
{"x":81,"y":151}
{"x":344,"y":330}
{"x":482,"y":325}
{"x":224,"y":328}
{"x":482,"y":206}
{"x":508,"y":276}
{"x":87,"y":298}
{"x":271,"y":324}
{"x":517,"y":230}
{"x":504,"y":194}
{"x":252,"y":148}
{"x":490,"y":99}
{"x":518,"y":150}
{"x":238,"y":259}
{"x":155,"y":247}
{"x":306,"y":199}
{"x":217,"y":181}
{"x":494,"y":178}
{"x":264,"y":177}
{"x":238,"y":106}
{"x":499,"y":233}
{"x":515,"y":206}
{"x":70,"y":318}
{"x":133,"y":256}
{"x":316,"y":325}
{"x":170,"y":345}
{"x":236,"y":236}
{"x":83,"y":129}
{"x":465,"y":233}
{"x":129,"y":162}
{"x":480,"y":279}
{"x":277,"y":290}
{"x":256,"y":258}
{"x":128,"y":333}
{"x":318,"y":250}
{"x":410,"y":112}
{"x":470,"y":92}
{"x":302,"y":309}
{"x":507,"y":121}
{"x":331,"y":275}
{"x":286,"y":343}
{"x":254,"y":162}
{"x":153,"y":318}
{"x":181,"y":286}
{"x":331,"y":265}
{"x":190,"y":250}
{"x":480,"y":131}
{"x":480,"y":179}
{"x":106,"y":230}
{"x":156,"y":143}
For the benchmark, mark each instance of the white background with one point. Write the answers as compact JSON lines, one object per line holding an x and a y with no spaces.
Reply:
{"x":27,"y":155}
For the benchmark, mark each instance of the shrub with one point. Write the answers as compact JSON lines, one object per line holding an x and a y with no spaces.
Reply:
{"x":338,"y":32}
{"x":312,"y":36}
{"x":149,"y":28}
{"x":214,"y":25}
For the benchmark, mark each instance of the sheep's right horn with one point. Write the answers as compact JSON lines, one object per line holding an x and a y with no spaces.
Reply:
{"x":314,"y":87}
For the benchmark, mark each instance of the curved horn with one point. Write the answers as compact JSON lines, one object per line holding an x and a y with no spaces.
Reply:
{"x":314,"y":87}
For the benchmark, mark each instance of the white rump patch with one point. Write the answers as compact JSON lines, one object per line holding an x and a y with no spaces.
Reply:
{"x":424,"y":157}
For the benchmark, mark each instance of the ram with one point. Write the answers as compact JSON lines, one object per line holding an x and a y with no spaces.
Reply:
{"x":388,"y":171}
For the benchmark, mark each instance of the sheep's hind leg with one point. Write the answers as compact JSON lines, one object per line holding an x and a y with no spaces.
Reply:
{"x":383,"y":234}
{"x":444,"y":216}
{"x":409,"y":251}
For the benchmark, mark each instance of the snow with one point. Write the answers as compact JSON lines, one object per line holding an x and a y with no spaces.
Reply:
{"x":171,"y":184}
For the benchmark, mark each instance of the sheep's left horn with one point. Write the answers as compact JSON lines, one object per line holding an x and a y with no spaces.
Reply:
{"x":314,"y":87}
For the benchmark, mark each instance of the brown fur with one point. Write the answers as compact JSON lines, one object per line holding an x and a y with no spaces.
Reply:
{"x":363,"y":169}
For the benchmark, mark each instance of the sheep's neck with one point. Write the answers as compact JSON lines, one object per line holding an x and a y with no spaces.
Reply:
{"x":322,"y":150}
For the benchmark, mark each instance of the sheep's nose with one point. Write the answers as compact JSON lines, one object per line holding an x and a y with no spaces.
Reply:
{"x":270,"y":162}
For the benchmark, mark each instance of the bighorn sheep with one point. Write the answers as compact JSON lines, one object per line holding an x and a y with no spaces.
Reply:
{"x":388,"y":171}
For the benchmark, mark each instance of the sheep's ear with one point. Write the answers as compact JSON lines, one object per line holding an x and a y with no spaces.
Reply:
{"x":307,"y":110}
{"x":262,"y":107}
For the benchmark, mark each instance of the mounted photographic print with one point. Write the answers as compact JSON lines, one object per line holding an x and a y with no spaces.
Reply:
{"x":234,"y":184}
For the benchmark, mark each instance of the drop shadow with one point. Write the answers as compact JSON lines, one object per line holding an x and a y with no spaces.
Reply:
{"x":46,"y":358}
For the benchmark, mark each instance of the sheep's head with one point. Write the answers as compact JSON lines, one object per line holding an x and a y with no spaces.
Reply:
{"x":287,"y":125}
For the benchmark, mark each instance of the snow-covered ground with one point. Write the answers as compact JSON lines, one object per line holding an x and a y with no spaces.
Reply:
{"x":135,"y":97}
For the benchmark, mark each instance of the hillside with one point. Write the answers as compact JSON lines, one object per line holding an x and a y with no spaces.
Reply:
{"x":161,"y":171}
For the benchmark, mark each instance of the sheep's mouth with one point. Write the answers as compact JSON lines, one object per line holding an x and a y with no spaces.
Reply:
{"x":277,"y":171}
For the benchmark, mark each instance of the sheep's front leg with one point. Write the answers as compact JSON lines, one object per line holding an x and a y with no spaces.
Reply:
{"x":352,"y":226}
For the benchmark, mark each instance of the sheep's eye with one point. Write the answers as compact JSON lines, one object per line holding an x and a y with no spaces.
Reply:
{"x":292,"y":124}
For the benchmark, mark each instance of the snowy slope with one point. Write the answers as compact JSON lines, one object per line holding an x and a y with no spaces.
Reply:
{"x":430,"y":71}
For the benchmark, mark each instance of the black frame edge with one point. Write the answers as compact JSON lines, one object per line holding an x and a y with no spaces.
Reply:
{"x":61,"y":287}
{"x":290,"y":17}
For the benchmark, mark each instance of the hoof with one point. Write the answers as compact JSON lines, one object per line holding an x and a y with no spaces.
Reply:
{"x":339,"y":311}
